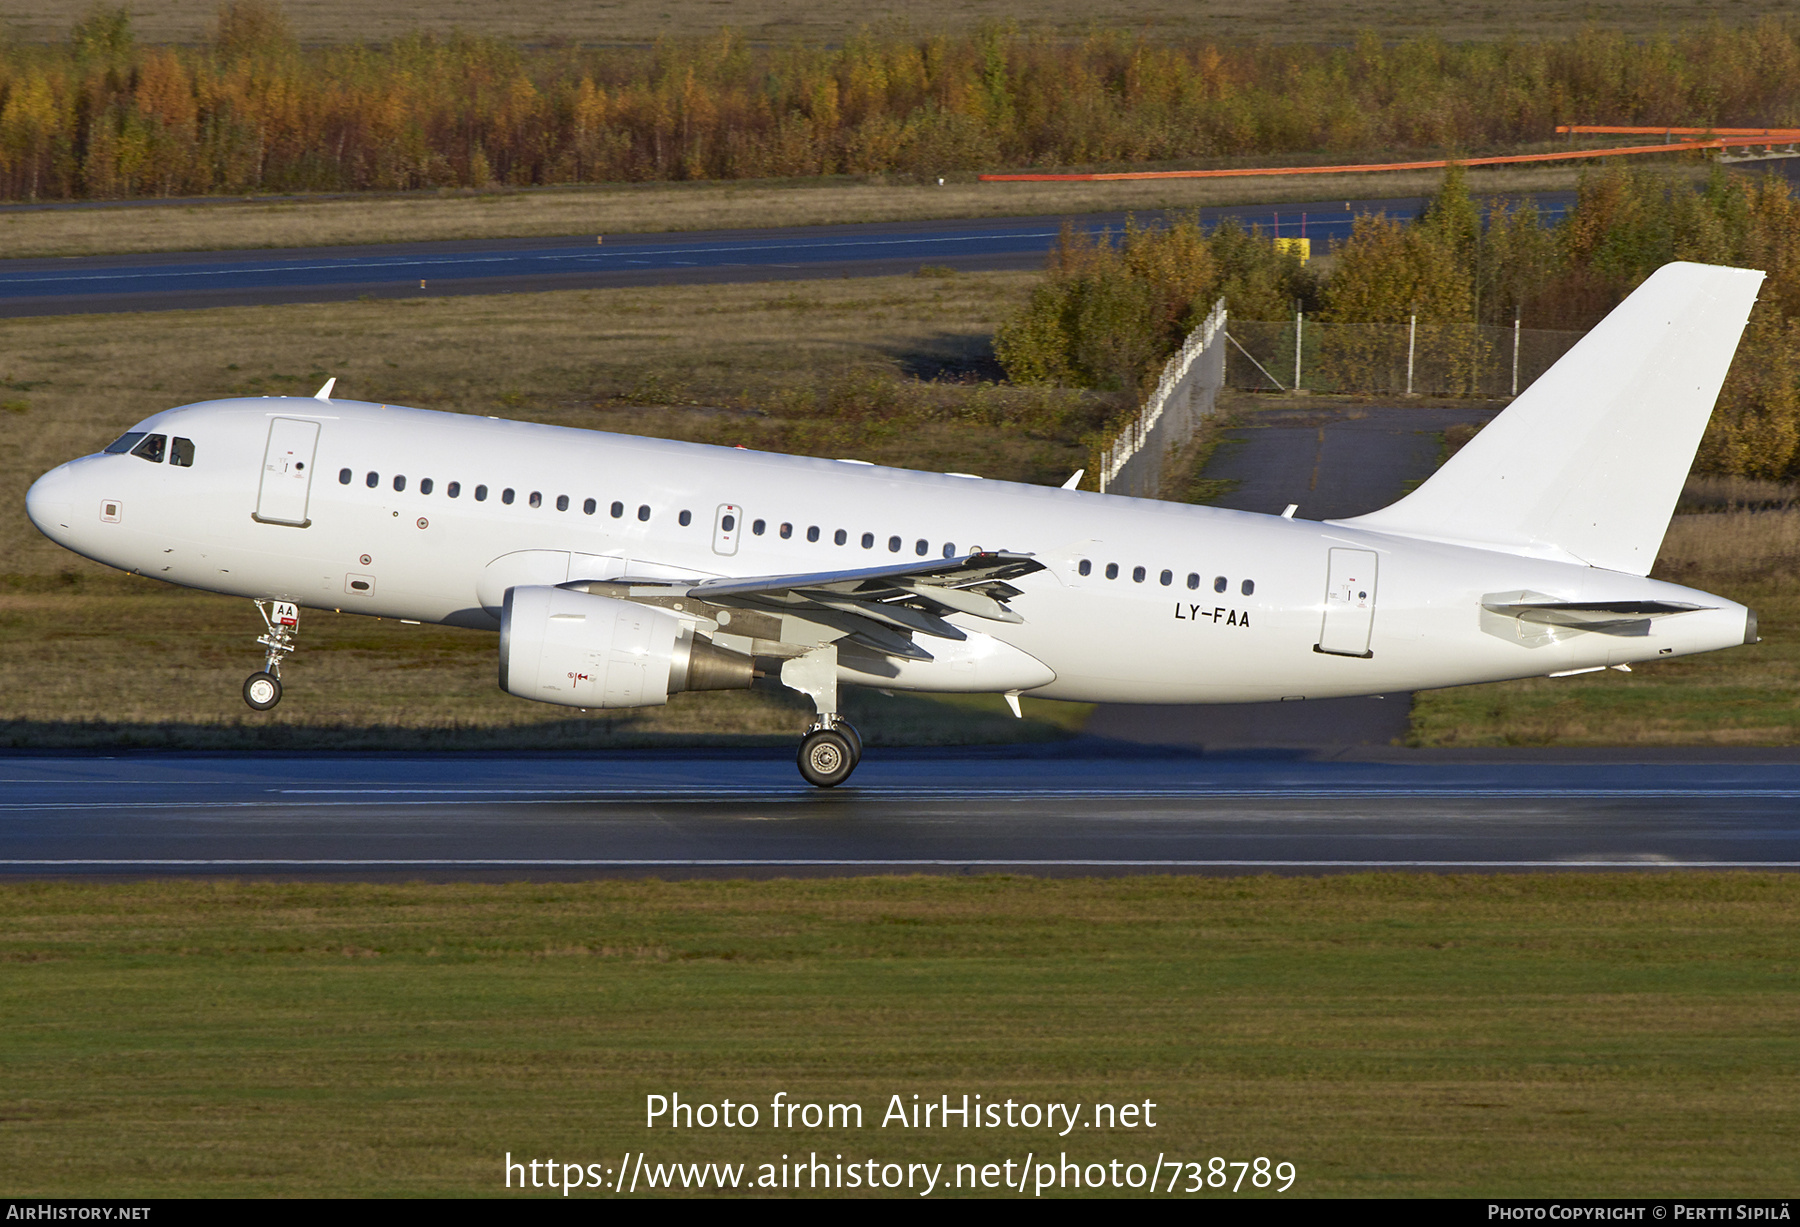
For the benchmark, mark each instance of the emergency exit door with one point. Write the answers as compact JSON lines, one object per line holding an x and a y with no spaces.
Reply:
{"x":1349,"y":604}
{"x":728,"y":526}
{"x":287,"y":472}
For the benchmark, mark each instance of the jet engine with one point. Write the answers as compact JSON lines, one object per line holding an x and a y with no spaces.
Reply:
{"x":581,"y":650}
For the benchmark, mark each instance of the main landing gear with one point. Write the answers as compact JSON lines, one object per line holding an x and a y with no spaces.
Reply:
{"x":830,"y":748}
{"x":262,"y":689}
{"x":829,"y":753}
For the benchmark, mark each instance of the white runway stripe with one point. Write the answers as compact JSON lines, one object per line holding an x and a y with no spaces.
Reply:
{"x":840,"y":863}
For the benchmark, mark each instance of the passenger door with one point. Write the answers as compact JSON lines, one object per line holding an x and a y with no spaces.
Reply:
{"x":1349,"y":604}
{"x":287,"y":472}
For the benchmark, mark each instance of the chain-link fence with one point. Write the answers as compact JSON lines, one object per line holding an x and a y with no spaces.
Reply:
{"x":1133,"y":462}
{"x":1428,"y":359}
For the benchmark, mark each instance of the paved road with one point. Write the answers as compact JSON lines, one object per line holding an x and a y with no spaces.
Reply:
{"x":177,"y":280}
{"x":1068,"y":810}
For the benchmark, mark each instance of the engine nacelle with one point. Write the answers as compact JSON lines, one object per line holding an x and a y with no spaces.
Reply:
{"x":580,"y":650}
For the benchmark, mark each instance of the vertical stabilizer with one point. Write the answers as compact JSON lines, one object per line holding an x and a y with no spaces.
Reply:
{"x":1589,"y":462}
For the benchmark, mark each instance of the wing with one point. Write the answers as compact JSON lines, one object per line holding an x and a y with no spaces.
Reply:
{"x":880,"y":607}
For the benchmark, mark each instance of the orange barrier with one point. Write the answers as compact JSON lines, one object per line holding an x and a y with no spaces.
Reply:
{"x":1620,"y":130}
{"x":1437,"y":164}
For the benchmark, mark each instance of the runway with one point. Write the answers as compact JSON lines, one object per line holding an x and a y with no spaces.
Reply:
{"x":180,"y":280}
{"x":1067,"y":810}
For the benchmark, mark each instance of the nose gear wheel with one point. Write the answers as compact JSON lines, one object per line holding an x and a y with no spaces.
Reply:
{"x":262,"y":690}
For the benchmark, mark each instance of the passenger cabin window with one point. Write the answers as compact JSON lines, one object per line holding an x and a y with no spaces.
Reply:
{"x":812,"y":534}
{"x":1084,"y":567}
{"x":893,"y":545}
{"x":1112,"y":570}
{"x":124,"y":443}
{"x":787,"y":530}
{"x":562,"y":502}
{"x":644,"y":511}
{"x":536,"y":499}
{"x":399,"y":483}
{"x":685,"y":518}
{"x":1137,"y":575}
{"x":453,"y":489}
{"x":151,"y":448}
{"x":1167,"y":577}
{"x":758,"y":527}
{"x":1249,"y":587}
{"x":840,"y":536}
{"x":589,"y":507}
{"x":481,"y":494}
{"x":868,"y":541}
{"x":922,"y":548}
{"x":506,"y":496}
{"x":372,"y":480}
{"x":618,"y":509}
{"x":1193,"y":579}
{"x":727,"y":523}
{"x":949,"y":549}
{"x":181,"y":452}
{"x":343,"y":477}
{"x":1219,"y":584}
{"x":425,"y":484}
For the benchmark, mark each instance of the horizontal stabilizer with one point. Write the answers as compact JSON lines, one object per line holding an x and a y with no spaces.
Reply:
{"x":1604,"y":617}
{"x":1587,"y":464}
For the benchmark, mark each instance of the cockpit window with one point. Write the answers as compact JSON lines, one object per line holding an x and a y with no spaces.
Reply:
{"x":151,"y":448}
{"x":181,"y":452}
{"x":124,"y":443}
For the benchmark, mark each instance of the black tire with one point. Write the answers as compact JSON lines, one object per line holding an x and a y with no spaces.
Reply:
{"x":825,"y":758}
{"x":848,"y":731}
{"x":262,"y":690}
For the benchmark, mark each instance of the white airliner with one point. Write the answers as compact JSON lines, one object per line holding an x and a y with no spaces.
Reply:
{"x":621,"y":570}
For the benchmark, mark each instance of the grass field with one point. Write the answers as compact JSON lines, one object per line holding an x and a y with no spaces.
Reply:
{"x":635,"y":208}
{"x":610,"y":21}
{"x":1578,"y":1035}
{"x":133,"y":663}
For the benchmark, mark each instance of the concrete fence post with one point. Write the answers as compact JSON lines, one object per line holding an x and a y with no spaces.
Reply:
{"x":1412,"y":334}
{"x":1515,"y":370}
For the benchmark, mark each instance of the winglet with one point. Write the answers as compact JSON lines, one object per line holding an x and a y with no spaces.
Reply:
{"x":1075,"y":481}
{"x":324,"y":393}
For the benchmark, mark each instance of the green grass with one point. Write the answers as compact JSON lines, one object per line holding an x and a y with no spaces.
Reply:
{"x":784,"y":21}
{"x":129,"y":662}
{"x":1577,"y":1035}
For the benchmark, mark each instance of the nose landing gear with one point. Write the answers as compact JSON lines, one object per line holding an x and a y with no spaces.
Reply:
{"x":262,"y":689}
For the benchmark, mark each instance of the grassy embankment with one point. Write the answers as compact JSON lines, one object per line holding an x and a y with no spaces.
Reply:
{"x":780,"y":21}
{"x":656,"y":207}
{"x":88,"y":657}
{"x":1580,"y":1035}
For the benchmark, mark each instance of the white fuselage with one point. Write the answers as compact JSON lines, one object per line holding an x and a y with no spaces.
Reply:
{"x":1245,"y":629}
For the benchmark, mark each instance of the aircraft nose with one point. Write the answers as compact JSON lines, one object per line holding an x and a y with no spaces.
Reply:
{"x":50,"y":503}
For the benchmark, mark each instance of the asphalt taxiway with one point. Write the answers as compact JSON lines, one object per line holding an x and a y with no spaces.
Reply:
{"x":181,"y":280}
{"x":1085,"y":808}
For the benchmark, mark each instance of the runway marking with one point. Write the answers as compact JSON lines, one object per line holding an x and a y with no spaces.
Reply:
{"x":1346,"y":792}
{"x":395,"y":798}
{"x":939,"y":862}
